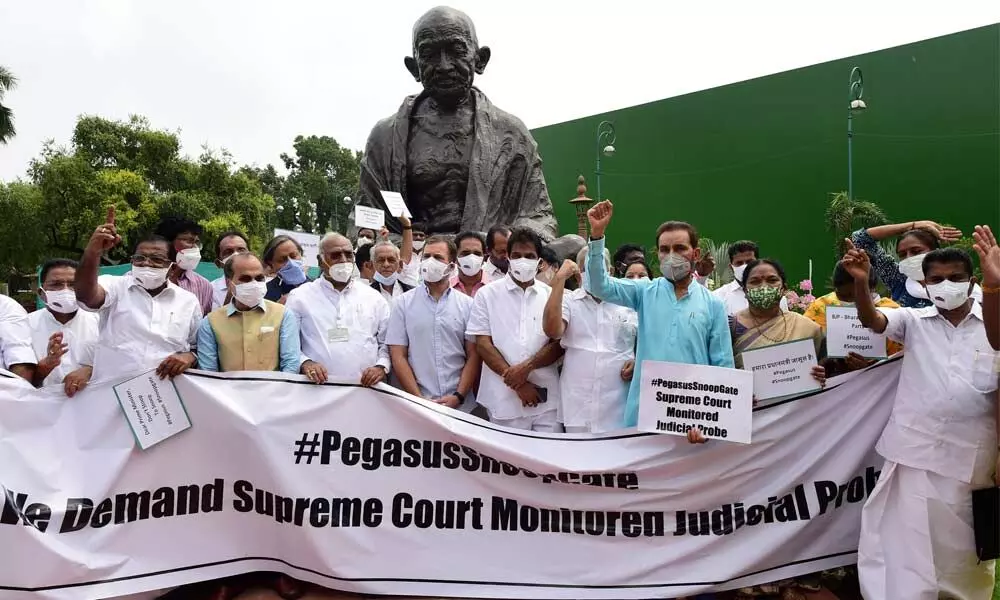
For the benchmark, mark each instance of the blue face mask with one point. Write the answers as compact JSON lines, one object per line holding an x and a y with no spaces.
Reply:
{"x":390,"y":280}
{"x":293,"y":272}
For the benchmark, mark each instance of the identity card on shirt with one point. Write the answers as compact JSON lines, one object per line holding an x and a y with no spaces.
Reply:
{"x":153,"y":408}
{"x":366,"y":217}
{"x":395,"y":203}
{"x":338,"y":334}
{"x":782,"y":369}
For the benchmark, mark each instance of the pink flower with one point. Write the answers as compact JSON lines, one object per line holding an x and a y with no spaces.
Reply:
{"x":793,"y":298}
{"x":806,"y":285}
{"x":808,"y":299}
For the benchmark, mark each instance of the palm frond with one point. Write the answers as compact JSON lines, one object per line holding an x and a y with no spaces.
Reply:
{"x":7,"y":80}
{"x":7,"y":130}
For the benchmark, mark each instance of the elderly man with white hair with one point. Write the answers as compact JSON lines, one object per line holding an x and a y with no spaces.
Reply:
{"x":599,"y":339}
{"x":387,"y":262}
{"x":342,"y":322}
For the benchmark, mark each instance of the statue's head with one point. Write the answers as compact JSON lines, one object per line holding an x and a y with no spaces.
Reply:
{"x":446,"y":54}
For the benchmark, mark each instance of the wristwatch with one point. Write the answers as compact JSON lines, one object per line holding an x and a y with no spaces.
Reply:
{"x":460,"y":396}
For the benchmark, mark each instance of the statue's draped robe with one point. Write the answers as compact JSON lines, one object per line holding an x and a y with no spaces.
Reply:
{"x":505,"y":186}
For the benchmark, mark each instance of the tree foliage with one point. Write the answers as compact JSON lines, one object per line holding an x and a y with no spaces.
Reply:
{"x":7,"y":83}
{"x":845,"y":215}
{"x":141,"y":171}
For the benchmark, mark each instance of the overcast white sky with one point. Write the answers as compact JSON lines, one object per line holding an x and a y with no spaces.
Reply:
{"x":250,"y":75}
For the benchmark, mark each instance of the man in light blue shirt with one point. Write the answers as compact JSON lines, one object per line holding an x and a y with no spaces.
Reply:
{"x":431,"y":356}
{"x":680,"y":321}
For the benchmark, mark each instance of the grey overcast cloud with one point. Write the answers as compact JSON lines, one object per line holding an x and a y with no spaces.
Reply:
{"x":250,"y":75}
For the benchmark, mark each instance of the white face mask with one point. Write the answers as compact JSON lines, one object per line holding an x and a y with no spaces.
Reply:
{"x":913,"y":267}
{"x":643,"y":278}
{"x":188,"y":259}
{"x":390,"y":280}
{"x":251,"y":293}
{"x":523,"y":269}
{"x":545,"y":275}
{"x":365,"y":241}
{"x":674,"y":266}
{"x":470,"y":264}
{"x":341,"y":272}
{"x":61,"y":301}
{"x":738,"y":272}
{"x":150,"y":278}
{"x":432,"y":270}
{"x":418,"y":246}
{"x":949,"y":295}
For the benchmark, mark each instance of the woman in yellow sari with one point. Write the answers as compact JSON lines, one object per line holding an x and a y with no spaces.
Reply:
{"x":762,"y":324}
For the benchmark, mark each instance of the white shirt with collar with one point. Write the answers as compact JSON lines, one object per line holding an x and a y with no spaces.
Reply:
{"x":411,"y":270}
{"x":139,"y":330}
{"x":219,"y":291}
{"x":491,"y":270}
{"x":512,"y":317}
{"x":79,"y":333}
{"x":735,"y":299}
{"x":15,"y":334}
{"x":599,"y":339}
{"x":342,"y":330}
{"x":944,"y":416}
{"x":397,"y":291}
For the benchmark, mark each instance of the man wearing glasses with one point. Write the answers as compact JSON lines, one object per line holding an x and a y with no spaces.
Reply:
{"x":147,"y":322}
{"x":184,"y":238}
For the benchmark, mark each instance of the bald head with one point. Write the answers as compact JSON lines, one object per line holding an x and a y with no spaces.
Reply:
{"x":334,"y":248}
{"x":446,"y":54}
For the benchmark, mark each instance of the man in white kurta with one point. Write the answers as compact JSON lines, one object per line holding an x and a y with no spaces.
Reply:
{"x":342,"y":322}
{"x":917,"y":540}
{"x":16,"y":353}
{"x":599,"y":339}
{"x":63,"y":336}
{"x":519,"y":385}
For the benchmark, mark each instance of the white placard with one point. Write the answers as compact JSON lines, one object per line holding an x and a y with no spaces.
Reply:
{"x":846,"y":334}
{"x":675,"y":398}
{"x":153,"y":408}
{"x":369,"y":218}
{"x":309,"y":243}
{"x":395,"y":203}
{"x":782,"y":369}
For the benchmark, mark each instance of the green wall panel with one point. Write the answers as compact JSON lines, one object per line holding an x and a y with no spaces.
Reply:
{"x":758,"y":159}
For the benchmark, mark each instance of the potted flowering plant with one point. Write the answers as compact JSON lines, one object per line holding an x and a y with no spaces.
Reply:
{"x":799,"y":302}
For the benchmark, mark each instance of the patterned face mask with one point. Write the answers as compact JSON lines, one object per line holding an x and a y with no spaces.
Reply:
{"x":764,"y":297}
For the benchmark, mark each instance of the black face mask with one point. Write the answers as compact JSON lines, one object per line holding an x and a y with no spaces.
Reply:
{"x":501,"y":263}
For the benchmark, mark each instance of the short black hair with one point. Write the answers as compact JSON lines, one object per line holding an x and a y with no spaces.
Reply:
{"x":363,"y":255}
{"x":841,"y":277}
{"x":764,"y":261}
{"x":549,"y":255}
{"x":525,"y":235}
{"x":153,"y":238}
{"x":924,"y":236}
{"x":618,"y":260}
{"x":272,"y":246}
{"x":470,"y":235}
{"x":949,"y":255}
{"x":230,"y":233}
{"x":374,"y":233}
{"x":446,"y":240}
{"x":492,"y":233}
{"x":743,"y":246}
{"x":171,"y":227}
{"x":678,"y":226}
{"x":228,"y":269}
{"x":56,"y":263}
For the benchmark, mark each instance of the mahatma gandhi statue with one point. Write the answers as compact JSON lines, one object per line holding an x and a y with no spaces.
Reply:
{"x":460,"y":162}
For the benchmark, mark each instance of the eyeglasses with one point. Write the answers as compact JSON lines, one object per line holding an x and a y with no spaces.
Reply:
{"x":140,"y":260}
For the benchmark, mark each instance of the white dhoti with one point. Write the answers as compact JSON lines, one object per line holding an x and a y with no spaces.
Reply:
{"x":917,"y":541}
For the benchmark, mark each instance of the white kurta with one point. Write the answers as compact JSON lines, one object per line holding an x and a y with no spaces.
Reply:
{"x":599,"y":340}
{"x":512,"y":317}
{"x":917,"y":540}
{"x":79,"y":333}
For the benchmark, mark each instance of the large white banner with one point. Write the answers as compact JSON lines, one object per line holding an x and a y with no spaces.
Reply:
{"x":376,"y":492}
